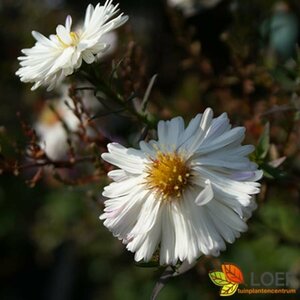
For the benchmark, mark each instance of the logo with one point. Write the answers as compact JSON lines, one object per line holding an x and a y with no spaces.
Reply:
{"x":229,"y":279}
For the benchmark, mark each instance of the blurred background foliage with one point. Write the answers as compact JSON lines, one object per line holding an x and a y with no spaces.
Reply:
{"x":241,"y":57}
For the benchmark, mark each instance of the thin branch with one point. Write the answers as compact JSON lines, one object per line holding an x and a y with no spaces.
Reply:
{"x":56,"y":163}
{"x":147,"y":93}
{"x":85,"y":88}
{"x":144,"y":133}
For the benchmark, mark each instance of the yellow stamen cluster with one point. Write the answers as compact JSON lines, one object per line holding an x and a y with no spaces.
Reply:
{"x":74,"y":37}
{"x":168,"y":175}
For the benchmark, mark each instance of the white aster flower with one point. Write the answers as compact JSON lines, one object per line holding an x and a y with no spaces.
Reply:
{"x":185,"y":194}
{"x":51,"y":59}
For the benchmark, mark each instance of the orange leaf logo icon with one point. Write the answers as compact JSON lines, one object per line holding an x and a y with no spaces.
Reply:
{"x":232,"y":273}
{"x":229,"y":279}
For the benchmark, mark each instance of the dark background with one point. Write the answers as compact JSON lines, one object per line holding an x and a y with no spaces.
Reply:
{"x":52,"y":245}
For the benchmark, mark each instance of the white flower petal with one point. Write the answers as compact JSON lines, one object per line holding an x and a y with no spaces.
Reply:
{"x":169,"y":132}
{"x":234,"y":135}
{"x":68,"y":23}
{"x":247,"y":175}
{"x":206,"y":195}
{"x":195,"y":141}
{"x":88,"y":57}
{"x":62,"y":60}
{"x":117,"y":189}
{"x":119,"y":214}
{"x":41,"y":39}
{"x":88,"y":14}
{"x":182,"y":237}
{"x":148,"y":149}
{"x":148,"y":223}
{"x":228,"y":216}
{"x":218,"y":126}
{"x":147,"y":216}
{"x":117,"y":175}
{"x":63,"y":34}
{"x":241,"y":164}
{"x":208,"y":239}
{"x":167,"y":255}
{"x":186,"y":193}
{"x":151,"y":241}
{"x":130,"y":160}
{"x":190,"y":130}
{"x":50,"y":60}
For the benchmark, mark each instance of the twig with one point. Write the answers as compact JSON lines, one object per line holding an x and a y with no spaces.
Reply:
{"x":147,"y":93}
{"x":144,"y":133}
{"x":113,"y":95}
{"x":56,"y":163}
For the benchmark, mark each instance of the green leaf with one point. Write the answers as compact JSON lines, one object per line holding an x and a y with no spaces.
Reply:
{"x":263,"y":143}
{"x":285,"y":77}
{"x":218,"y":278}
{"x":271,"y":172}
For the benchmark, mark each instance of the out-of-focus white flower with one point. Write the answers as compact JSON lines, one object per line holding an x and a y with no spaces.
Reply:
{"x":51,"y":59}
{"x":53,"y":136}
{"x":110,"y":38}
{"x":191,"y":7}
{"x":50,"y":129}
{"x":185,"y":194}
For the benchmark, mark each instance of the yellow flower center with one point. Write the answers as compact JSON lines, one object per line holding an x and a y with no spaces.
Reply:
{"x":74,"y":40}
{"x":48,"y":117}
{"x":168,"y":175}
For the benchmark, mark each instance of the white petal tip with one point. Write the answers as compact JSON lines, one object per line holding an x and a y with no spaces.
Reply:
{"x":206,"y":195}
{"x":208,"y":112}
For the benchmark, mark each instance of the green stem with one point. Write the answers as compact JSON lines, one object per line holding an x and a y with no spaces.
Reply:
{"x":103,"y":87}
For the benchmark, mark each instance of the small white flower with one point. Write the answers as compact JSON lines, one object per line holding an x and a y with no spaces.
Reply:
{"x":51,"y":59}
{"x":50,"y":129}
{"x":185,"y":194}
{"x":53,"y":136}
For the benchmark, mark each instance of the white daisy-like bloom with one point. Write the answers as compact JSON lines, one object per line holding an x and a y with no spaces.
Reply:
{"x":185,"y":194}
{"x":51,"y":59}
